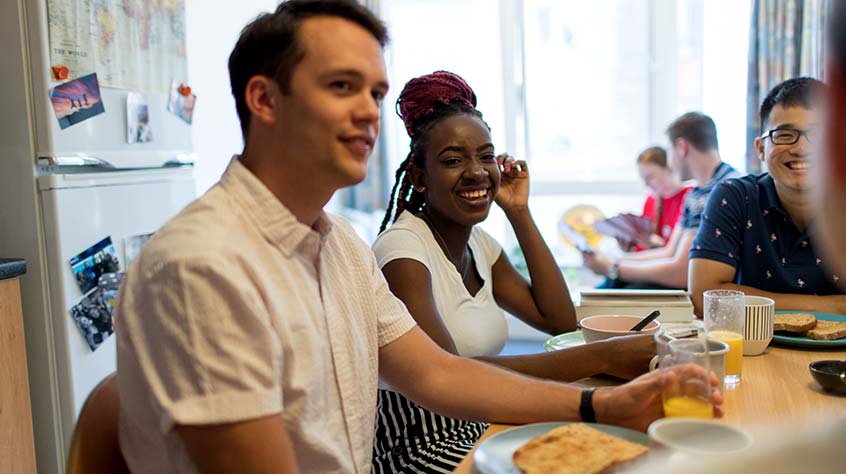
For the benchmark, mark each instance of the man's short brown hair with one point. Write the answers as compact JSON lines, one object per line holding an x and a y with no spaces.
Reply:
{"x":697,"y":129}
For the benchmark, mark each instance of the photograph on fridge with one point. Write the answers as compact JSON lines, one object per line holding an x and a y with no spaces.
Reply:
{"x":88,"y":265}
{"x":76,"y":101}
{"x":181,"y":104}
{"x":137,"y":119}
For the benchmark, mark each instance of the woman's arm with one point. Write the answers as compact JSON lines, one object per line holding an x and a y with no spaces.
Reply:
{"x":544,"y":302}
{"x":624,"y":357}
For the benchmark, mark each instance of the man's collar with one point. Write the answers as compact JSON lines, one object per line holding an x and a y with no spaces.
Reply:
{"x":767,"y":192}
{"x":275,"y":221}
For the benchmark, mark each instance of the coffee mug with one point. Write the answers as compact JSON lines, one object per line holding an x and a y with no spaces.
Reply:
{"x":758,"y":330}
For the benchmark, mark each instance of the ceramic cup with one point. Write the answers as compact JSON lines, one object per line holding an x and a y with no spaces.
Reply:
{"x":758,"y":329}
{"x":698,"y":438}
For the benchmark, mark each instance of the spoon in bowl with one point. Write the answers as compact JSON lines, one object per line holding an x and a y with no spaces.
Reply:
{"x":643,"y":322}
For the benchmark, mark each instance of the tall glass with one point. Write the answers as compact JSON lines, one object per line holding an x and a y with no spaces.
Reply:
{"x":724,"y":320}
{"x":687,"y":393}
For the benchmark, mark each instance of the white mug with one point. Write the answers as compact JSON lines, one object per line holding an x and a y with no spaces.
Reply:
{"x":758,"y":330}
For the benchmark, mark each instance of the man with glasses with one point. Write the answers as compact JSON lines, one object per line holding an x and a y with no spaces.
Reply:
{"x":754,"y":235}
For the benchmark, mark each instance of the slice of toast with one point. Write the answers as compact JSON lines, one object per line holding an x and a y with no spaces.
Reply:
{"x":828,"y":330}
{"x":795,"y":322}
{"x":574,"y":449}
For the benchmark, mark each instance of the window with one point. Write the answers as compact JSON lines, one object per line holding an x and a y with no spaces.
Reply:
{"x":577,"y":88}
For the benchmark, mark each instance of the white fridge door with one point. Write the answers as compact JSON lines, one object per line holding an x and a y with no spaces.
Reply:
{"x":80,"y":210}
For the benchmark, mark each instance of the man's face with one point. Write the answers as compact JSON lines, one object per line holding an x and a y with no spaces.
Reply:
{"x":329,"y":121}
{"x":677,"y":160}
{"x":789,"y":163}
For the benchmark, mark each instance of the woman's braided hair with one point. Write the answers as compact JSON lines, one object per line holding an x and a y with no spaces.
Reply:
{"x":423,"y":102}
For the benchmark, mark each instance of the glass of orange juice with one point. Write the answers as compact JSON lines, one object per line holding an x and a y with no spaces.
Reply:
{"x":724,"y":320}
{"x":687,"y":391}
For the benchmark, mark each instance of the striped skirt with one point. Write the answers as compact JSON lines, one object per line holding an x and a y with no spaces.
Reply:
{"x":411,"y":439}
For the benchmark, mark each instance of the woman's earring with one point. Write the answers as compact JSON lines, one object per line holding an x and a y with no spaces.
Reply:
{"x":420,"y":189}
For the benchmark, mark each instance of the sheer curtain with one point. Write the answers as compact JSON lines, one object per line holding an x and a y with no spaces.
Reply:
{"x":786,"y":40}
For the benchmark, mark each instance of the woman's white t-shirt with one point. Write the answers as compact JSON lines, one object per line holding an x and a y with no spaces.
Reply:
{"x":475,"y":322}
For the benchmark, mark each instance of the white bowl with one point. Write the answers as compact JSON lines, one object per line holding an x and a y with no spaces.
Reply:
{"x":599,"y":327}
{"x":698,"y":437}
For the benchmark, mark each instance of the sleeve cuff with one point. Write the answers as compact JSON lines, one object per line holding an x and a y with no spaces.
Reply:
{"x":712,"y":255}
{"x":221,"y":408}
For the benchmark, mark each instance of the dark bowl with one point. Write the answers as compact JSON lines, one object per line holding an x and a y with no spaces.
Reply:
{"x":831,"y":374}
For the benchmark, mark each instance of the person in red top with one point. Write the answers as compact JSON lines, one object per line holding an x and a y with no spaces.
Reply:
{"x":659,"y":178}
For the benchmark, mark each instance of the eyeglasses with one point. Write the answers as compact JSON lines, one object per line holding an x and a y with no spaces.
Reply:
{"x":789,"y":136}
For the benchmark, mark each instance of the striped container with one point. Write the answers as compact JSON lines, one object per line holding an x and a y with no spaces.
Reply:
{"x":758,"y":330}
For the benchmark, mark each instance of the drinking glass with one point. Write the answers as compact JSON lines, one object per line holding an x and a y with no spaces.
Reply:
{"x":687,"y":392}
{"x":724,"y":321}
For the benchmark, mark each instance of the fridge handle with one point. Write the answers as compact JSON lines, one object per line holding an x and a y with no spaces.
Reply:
{"x":53,"y":161}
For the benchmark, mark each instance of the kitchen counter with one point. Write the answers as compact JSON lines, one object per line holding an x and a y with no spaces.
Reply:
{"x":17,"y":447}
{"x":12,"y":267}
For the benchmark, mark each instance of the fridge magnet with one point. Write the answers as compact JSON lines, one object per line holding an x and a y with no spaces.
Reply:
{"x":181,"y":101}
{"x":77,"y":100}
{"x":88,"y":265}
{"x":133,"y":245}
{"x":137,"y":119}
{"x":93,"y":318}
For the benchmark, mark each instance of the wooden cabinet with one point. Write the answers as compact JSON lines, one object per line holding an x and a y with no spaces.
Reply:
{"x":17,"y":449}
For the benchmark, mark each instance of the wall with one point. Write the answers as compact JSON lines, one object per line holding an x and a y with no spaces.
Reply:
{"x":212,"y":29}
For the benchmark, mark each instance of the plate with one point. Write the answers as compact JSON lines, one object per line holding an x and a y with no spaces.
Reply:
{"x":801,"y":341}
{"x":563,"y":341}
{"x":493,"y":455}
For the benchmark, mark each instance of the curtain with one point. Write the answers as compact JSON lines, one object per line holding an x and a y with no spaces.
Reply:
{"x":372,"y":193}
{"x":786,"y":40}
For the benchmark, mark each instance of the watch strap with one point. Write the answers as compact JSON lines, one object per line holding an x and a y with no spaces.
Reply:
{"x":586,"y":406}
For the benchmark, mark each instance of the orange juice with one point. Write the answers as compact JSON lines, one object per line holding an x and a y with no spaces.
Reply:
{"x":734,"y":357}
{"x":688,"y":407}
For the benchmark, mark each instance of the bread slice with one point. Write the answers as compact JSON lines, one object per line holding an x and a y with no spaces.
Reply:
{"x":828,"y":330}
{"x":795,"y":322}
{"x":574,"y":449}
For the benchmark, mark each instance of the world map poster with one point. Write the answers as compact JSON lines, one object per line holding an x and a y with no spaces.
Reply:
{"x":130,"y":44}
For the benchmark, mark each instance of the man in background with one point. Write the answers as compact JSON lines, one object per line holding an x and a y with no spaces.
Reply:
{"x":694,"y":154}
{"x":755,"y":234}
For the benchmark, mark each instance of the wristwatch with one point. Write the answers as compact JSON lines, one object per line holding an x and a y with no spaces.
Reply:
{"x":614,"y":270}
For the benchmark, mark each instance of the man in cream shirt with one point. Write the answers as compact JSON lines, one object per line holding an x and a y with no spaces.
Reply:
{"x":253,"y":327}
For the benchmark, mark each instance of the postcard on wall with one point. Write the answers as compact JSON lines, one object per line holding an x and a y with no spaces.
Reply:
{"x":138,"y":128}
{"x":181,"y":102}
{"x":88,"y":265}
{"x":76,"y":101}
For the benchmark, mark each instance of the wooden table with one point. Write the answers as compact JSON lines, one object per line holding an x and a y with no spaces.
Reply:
{"x":775,"y":386}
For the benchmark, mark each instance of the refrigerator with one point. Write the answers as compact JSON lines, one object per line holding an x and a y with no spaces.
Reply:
{"x":63,"y":190}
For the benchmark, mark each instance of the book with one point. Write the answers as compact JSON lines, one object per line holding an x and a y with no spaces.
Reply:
{"x":626,"y":228}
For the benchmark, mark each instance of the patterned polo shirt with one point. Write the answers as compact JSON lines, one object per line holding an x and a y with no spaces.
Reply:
{"x":695,"y":201}
{"x":746,"y":226}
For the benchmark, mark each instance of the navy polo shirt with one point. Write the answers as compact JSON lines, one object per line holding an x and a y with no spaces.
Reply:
{"x":744,"y":225}
{"x":696,"y":199}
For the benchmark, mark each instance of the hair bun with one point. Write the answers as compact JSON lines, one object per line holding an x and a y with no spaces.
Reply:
{"x":422,"y":95}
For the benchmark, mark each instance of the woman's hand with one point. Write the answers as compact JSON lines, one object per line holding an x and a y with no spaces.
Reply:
{"x":629,"y":356}
{"x":513,"y":191}
{"x":597,"y":262}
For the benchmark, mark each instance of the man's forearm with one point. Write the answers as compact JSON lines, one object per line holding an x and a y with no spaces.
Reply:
{"x":792,"y":301}
{"x":669,"y":272}
{"x":470,"y":389}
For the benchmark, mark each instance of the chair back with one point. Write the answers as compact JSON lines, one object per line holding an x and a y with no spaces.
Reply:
{"x":94,"y":446}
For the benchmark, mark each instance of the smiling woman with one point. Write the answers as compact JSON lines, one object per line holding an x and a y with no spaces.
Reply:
{"x":454,"y":278}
